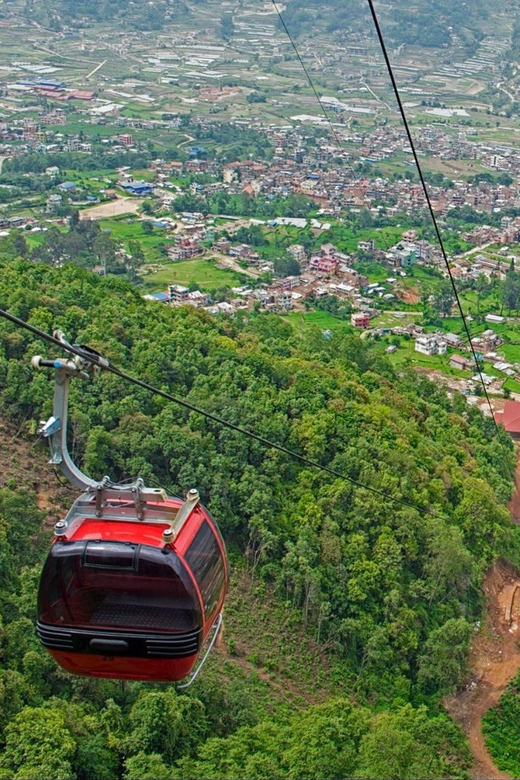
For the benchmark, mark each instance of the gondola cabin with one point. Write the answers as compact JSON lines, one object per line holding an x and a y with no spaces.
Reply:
{"x":135,"y":580}
{"x":132,"y":586}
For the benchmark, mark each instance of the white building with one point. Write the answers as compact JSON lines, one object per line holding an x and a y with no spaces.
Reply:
{"x":54,"y":202}
{"x":431,"y":344}
{"x":178,"y":294}
{"x":298,"y":252}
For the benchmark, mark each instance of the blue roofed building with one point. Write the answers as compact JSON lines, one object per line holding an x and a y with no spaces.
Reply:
{"x":67,"y":186}
{"x":138,"y":189}
{"x":161,"y":297}
{"x":196,"y":151}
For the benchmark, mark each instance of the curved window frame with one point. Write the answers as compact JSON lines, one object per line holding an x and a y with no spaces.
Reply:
{"x":72,"y":588}
{"x":208,"y":566}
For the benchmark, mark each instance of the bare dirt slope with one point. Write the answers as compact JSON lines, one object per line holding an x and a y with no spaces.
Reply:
{"x":495,"y":660}
{"x":495,"y":655}
{"x":24,"y":464}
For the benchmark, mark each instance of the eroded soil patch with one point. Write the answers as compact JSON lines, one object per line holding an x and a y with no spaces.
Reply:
{"x":495,"y":661}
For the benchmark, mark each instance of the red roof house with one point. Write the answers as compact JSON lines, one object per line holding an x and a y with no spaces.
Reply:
{"x":510,"y":418}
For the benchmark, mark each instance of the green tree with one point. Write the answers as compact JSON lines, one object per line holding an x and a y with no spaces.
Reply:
{"x":39,"y":745}
{"x":389,"y":752}
{"x":444,"y":298}
{"x":145,"y":766}
{"x":95,"y":760}
{"x":286,"y":266}
{"x":510,"y":289}
{"x":20,"y":244}
{"x":444,"y":660}
{"x":227,"y":26}
{"x":501,"y":726}
{"x":167,"y":724}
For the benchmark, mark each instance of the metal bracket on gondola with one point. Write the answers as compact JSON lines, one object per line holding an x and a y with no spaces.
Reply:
{"x":55,"y":428}
{"x":105,"y":494}
{"x":87,"y":363}
{"x":139,"y":510}
{"x":192,"y":499}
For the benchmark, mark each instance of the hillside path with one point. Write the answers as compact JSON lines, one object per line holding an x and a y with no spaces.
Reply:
{"x":495,"y":655}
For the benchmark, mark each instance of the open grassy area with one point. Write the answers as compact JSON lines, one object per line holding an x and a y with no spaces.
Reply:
{"x":301,"y":321}
{"x":394,"y":321}
{"x":347,"y":239}
{"x":373,"y":271}
{"x":406,"y":355}
{"x":34,"y":239}
{"x":512,"y":351}
{"x":126,"y":229}
{"x":199,"y":271}
{"x":512,"y":385}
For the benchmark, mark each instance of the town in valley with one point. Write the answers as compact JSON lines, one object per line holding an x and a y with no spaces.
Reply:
{"x":193,"y":155}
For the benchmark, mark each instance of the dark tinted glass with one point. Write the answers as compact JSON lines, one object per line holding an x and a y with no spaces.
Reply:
{"x":205,"y":561}
{"x":111,"y":555}
{"x":119,"y":586}
{"x":221,"y":540}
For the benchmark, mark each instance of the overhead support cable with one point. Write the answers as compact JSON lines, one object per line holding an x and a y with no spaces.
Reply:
{"x":428,"y":201}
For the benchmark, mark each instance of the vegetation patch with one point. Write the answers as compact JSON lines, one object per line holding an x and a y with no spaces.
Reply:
{"x":501,"y":726}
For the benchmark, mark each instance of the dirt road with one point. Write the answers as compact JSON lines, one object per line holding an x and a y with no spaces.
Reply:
{"x":495,"y":661}
{"x":223,"y":261}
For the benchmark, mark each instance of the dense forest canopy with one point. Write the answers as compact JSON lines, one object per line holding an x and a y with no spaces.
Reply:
{"x":392,"y":590}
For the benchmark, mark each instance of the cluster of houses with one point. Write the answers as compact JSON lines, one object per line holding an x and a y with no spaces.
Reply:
{"x":47,"y":88}
{"x":485,"y":347}
{"x":267,"y":297}
{"x":335,"y":188}
{"x":296,"y":167}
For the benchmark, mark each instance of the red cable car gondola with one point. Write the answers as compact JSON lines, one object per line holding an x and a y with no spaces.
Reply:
{"x":135,"y":580}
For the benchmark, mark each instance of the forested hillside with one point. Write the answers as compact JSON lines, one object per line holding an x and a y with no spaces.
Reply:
{"x":423,"y":22}
{"x":389,"y":590}
{"x":430,"y":23}
{"x":140,"y":16}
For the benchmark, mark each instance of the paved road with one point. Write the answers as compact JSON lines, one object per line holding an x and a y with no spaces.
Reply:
{"x":475,"y":249}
